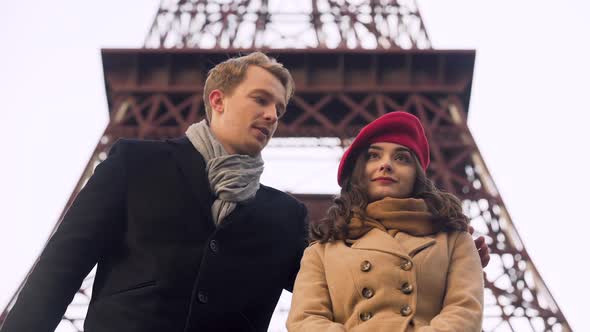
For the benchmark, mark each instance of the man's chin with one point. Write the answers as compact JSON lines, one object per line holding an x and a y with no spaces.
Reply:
{"x":253,"y":150}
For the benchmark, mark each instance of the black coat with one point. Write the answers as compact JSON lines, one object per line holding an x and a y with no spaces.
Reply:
{"x":145,"y":217}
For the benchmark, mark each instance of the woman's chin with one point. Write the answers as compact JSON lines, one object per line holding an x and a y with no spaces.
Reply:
{"x":386,"y":194}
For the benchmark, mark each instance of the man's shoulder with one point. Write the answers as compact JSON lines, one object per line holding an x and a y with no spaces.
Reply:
{"x":146,"y":145}
{"x":153,"y":154}
{"x":281,"y":196}
{"x":140,"y":149}
{"x":282,"y":200}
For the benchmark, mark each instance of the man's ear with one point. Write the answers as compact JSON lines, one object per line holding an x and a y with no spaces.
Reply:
{"x":216,"y":101}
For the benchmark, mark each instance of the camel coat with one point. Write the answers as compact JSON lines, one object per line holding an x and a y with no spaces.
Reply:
{"x":385,"y":283}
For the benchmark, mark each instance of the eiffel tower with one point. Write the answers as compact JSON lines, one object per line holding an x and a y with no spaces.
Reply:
{"x":352,"y":60}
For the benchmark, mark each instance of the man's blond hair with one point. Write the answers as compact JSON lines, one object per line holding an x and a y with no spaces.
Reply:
{"x":227,"y":75}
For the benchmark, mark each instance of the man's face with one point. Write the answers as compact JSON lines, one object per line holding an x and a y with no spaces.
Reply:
{"x":245,"y":120}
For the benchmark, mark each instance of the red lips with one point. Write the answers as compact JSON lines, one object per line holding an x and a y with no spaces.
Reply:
{"x":384,"y":179}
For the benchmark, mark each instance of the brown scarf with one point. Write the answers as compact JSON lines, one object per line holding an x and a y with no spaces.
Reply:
{"x":393,"y":215}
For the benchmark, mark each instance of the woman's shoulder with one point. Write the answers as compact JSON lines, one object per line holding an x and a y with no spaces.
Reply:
{"x":455,"y":235}
{"x":321,"y":247}
{"x":461,"y":243}
{"x":456,"y":238}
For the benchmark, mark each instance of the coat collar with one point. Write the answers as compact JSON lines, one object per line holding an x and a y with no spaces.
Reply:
{"x":192,"y":165}
{"x":402,"y":245}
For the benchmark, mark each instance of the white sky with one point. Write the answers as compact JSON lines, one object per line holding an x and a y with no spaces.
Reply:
{"x":529,"y":115}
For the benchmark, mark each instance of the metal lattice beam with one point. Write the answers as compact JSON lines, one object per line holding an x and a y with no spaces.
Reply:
{"x":157,"y":94}
{"x":341,"y":24}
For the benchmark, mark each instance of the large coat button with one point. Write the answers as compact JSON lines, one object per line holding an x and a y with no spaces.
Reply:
{"x":407,"y":288}
{"x":406,"y":310}
{"x":407,"y":265}
{"x":365,"y":266}
{"x":202,"y":297}
{"x":368,"y":293}
{"x":365,"y":316}
{"x":214,"y":246}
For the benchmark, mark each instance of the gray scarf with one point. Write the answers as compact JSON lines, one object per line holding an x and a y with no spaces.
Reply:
{"x":232,"y":178}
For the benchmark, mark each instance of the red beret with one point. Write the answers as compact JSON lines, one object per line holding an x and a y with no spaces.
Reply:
{"x":395,"y":127}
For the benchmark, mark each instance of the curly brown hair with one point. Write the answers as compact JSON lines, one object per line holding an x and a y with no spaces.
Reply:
{"x":444,"y":206}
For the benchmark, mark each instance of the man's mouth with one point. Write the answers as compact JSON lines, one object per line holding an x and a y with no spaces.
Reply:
{"x":264,"y":131}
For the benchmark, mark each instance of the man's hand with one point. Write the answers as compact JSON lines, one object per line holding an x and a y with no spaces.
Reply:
{"x":482,"y":248}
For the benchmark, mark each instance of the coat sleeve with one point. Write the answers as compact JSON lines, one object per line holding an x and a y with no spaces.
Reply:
{"x":301,"y":242}
{"x":92,"y":222}
{"x":463,"y":302}
{"x":311,"y":306}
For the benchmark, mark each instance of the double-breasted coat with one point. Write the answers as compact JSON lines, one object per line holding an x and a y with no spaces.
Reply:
{"x":163,"y":265}
{"x":382,"y":283}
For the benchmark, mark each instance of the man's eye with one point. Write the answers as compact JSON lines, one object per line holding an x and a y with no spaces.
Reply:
{"x":260,"y":100}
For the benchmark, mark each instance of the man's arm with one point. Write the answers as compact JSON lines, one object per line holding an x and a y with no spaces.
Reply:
{"x":91,"y":224}
{"x":302,"y":242}
{"x":482,"y":249}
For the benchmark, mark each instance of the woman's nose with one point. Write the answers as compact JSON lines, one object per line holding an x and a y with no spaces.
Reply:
{"x":386,"y":167}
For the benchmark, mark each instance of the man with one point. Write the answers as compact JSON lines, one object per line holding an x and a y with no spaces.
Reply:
{"x":185,"y":237}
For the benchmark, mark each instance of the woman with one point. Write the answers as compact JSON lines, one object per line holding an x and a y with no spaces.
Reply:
{"x":393,"y":253}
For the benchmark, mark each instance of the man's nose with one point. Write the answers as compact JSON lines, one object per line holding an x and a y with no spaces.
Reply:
{"x":270,"y":114}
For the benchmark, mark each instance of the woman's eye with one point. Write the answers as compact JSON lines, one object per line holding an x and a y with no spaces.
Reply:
{"x":403,"y":158}
{"x":372,"y":156}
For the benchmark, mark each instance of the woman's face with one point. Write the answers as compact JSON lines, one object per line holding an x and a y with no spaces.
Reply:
{"x":390,"y":171}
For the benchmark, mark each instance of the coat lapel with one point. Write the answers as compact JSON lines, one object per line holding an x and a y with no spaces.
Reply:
{"x":192,"y":165}
{"x":414,"y":243}
{"x":242,"y":213}
{"x":245,"y":212}
{"x":403,"y":245}
{"x":378,"y":240}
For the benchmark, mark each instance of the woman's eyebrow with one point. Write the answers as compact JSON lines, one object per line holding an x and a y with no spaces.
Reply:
{"x":402,"y":149}
{"x":398,"y":149}
{"x":375,"y":147}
